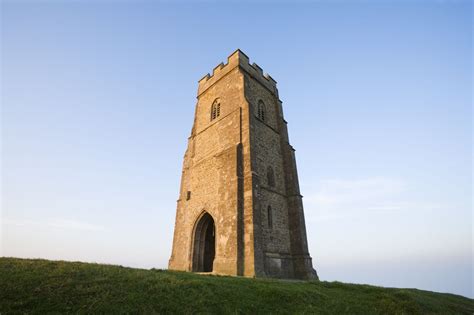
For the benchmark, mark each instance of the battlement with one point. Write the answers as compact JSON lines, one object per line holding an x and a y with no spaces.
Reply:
{"x":237,"y":59}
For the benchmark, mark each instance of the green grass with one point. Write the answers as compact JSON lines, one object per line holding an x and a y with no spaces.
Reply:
{"x":42,"y":286}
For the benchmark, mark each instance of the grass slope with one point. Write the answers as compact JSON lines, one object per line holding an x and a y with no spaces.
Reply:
{"x":42,"y":286}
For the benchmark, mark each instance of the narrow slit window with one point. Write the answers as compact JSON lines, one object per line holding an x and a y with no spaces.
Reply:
{"x":261,"y":111}
{"x":270,"y":177}
{"x":270,"y":217}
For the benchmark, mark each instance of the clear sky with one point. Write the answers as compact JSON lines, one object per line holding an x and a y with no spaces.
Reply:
{"x":98,"y":101}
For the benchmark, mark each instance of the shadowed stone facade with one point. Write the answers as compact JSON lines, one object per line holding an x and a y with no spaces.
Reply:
{"x":239,"y":210}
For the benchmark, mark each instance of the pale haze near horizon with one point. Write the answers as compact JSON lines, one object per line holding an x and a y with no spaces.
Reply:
{"x":98,"y":101}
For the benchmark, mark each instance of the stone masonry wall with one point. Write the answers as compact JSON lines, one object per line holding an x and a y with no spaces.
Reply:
{"x":266,"y":151}
{"x":214,"y":168}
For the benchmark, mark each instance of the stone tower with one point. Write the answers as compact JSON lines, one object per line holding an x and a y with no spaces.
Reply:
{"x":239,"y":210}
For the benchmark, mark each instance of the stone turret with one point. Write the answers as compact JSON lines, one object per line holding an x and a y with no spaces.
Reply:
{"x":240,"y":211}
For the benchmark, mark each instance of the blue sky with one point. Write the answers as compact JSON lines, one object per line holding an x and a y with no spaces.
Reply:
{"x":98,"y":100}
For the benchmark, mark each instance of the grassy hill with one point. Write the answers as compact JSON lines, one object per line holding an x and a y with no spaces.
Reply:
{"x":42,"y":286}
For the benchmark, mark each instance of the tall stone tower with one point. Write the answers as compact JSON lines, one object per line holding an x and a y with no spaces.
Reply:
{"x":239,"y":210}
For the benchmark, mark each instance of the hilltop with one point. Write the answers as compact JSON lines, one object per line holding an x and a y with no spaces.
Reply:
{"x":42,"y":286}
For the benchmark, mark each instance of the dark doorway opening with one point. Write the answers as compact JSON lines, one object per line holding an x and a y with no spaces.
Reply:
{"x":204,"y":249}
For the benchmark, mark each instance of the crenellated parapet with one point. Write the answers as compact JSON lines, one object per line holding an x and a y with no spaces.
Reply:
{"x":237,"y":59}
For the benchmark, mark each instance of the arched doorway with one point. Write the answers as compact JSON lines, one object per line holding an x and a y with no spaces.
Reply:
{"x":204,"y":248}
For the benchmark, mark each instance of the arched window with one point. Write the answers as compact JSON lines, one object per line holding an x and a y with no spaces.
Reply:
{"x":270,"y":177}
{"x":215,"y":109}
{"x":270,"y":217}
{"x":261,"y":110}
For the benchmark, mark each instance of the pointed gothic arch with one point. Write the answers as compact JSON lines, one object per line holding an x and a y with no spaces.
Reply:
{"x":204,"y":244}
{"x":215,"y":109}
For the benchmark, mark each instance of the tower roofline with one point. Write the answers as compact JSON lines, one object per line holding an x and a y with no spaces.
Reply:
{"x":239,"y":51}
{"x":237,"y":59}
